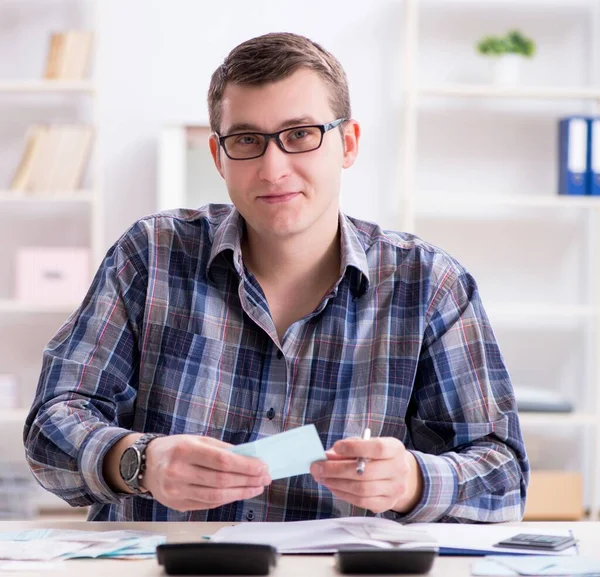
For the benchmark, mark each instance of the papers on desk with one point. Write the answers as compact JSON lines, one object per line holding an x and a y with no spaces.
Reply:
{"x":326,"y":535}
{"x":536,"y":565}
{"x":45,"y":545}
{"x":470,"y":539}
{"x":287,"y":454}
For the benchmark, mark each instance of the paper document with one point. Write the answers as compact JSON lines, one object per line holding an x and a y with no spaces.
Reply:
{"x":57,"y":545}
{"x":327,"y":535}
{"x":287,"y":454}
{"x":471,"y":539}
{"x":536,"y":565}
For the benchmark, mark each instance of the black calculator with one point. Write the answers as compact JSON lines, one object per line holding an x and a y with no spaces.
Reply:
{"x":539,"y":542}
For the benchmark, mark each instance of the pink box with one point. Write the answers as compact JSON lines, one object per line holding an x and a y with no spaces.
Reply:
{"x":52,"y":276}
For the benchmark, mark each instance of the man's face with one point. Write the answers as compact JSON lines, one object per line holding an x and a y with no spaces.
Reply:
{"x":280,"y":194}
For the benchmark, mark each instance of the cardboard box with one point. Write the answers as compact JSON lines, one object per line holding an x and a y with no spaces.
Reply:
{"x":554,"y":496}
{"x":54,"y":276}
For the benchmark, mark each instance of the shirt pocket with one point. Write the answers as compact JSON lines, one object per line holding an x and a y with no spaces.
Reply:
{"x":186,"y":384}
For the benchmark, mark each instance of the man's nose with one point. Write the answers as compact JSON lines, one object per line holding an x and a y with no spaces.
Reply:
{"x":274,"y":163}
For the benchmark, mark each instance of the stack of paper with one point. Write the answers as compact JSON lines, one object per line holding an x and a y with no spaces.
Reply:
{"x":327,"y":535}
{"x":45,"y":545}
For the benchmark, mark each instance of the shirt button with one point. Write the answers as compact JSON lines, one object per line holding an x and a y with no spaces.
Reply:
{"x":279,"y":354}
{"x":250,"y":515}
{"x":270,"y":413}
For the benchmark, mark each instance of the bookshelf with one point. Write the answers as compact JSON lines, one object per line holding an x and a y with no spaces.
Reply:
{"x":53,"y":216}
{"x":425,"y":209}
{"x":47,"y":86}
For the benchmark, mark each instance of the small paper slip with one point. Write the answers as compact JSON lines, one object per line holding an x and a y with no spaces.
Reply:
{"x":326,"y":535}
{"x":536,"y":565}
{"x":287,"y":454}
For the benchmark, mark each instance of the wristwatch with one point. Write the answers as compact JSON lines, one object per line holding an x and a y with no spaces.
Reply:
{"x":132,"y":465}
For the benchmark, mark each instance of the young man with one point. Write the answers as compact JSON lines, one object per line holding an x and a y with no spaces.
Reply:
{"x":218,"y":326}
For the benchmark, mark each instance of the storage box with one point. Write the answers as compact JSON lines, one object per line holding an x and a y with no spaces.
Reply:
{"x":554,"y":496}
{"x":53,"y":276}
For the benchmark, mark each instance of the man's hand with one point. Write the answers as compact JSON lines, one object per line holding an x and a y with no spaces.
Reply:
{"x":190,"y":473}
{"x":392,"y":477}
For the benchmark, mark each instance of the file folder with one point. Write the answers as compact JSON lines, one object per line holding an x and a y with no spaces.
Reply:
{"x":573,"y":144}
{"x":594,"y":156}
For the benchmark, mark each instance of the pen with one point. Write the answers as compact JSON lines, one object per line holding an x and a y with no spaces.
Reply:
{"x":361,"y":463}
{"x":576,"y":545}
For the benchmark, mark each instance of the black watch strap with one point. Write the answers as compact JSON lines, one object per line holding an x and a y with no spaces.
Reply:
{"x":132,"y":466}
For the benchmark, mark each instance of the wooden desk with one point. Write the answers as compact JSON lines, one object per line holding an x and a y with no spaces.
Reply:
{"x":288,"y":565}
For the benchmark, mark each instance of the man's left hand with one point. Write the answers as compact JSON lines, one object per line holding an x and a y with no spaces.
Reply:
{"x":392,"y":477}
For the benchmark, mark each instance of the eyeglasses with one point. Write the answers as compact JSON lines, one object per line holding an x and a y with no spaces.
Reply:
{"x":294,"y":140}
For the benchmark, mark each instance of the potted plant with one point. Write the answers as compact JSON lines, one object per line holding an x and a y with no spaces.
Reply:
{"x":506,"y":54}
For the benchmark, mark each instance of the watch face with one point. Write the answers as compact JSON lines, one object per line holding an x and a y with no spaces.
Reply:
{"x":129,"y":464}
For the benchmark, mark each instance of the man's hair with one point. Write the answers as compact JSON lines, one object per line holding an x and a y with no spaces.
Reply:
{"x":273,"y":57}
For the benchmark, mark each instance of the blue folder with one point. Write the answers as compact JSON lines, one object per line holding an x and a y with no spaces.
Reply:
{"x":573,"y":152}
{"x":594,"y":156}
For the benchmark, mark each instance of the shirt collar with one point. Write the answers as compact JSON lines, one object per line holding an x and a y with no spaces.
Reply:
{"x":229,"y":233}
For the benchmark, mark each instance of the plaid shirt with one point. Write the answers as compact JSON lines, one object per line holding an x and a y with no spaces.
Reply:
{"x":175,"y":336}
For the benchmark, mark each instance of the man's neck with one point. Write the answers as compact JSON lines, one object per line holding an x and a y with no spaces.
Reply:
{"x":309,"y":259}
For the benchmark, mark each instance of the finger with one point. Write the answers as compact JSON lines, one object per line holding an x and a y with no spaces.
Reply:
{"x":375,"y":504}
{"x":360,"y":489}
{"x":199,"y":500}
{"x":216,"y":442}
{"x":333,"y":456}
{"x":219,"y":496}
{"x":210,"y":478}
{"x":377,"y":469}
{"x":379,"y":448}
{"x":224,"y":460}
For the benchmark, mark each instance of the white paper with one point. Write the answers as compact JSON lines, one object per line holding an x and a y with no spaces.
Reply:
{"x":536,"y":565}
{"x":481,"y":538}
{"x":29,"y":566}
{"x":325,"y":535}
{"x":37,"y":550}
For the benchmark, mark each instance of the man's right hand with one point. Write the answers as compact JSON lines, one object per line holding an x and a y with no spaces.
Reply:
{"x":191,"y":473}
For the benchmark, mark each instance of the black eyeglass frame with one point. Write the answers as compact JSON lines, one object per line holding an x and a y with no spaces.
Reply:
{"x":276,"y":137}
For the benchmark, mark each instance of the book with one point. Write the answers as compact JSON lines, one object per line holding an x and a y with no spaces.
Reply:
{"x":54,"y":159}
{"x":69,"y":55}
{"x":32,"y":150}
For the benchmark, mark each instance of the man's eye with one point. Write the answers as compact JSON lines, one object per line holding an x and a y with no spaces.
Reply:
{"x":248,"y":139}
{"x":297,"y":134}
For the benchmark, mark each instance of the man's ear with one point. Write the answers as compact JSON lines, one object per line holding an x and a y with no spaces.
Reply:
{"x":351,"y":137}
{"x":215,"y":151}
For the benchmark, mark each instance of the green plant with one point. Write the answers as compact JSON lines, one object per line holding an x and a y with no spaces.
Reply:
{"x":513,"y":42}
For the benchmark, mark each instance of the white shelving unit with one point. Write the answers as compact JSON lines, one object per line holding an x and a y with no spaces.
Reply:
{"x":418,"y":204}
{"x":83,"y":208}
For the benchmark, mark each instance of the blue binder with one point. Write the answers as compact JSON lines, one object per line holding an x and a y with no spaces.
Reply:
{"x":594,"y":156}
{"x":573,"y":150}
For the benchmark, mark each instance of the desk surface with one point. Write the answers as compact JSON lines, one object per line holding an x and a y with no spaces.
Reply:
{"x":288,"y":565}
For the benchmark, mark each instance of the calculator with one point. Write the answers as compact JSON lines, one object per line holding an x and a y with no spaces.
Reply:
{"x":540,"y":542}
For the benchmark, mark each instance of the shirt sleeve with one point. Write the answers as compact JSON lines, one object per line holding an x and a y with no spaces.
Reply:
{"x":87,"y":388}
{"x":463,"y":423}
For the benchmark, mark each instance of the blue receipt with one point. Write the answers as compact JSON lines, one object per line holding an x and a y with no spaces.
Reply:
{"x":287,"y":454}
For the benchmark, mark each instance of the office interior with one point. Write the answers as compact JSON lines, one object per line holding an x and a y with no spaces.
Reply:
{"x":459,"y":147}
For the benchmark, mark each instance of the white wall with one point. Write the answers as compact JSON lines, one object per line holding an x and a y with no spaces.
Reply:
{"x":157,"y":59}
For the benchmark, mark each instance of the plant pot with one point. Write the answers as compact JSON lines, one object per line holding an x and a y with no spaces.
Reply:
{"x":505,"y":69}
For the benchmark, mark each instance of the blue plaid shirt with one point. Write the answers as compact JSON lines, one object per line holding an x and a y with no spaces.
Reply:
{"x":175,"y":336}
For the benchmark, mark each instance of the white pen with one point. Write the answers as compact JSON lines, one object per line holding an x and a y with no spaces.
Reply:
{"x":361,"y":463}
